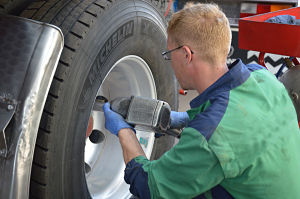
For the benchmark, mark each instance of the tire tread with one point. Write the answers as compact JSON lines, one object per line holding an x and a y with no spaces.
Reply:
{"x":75,"y":18}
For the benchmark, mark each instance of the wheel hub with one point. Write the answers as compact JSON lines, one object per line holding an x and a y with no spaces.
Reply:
{"x":104,"y":164}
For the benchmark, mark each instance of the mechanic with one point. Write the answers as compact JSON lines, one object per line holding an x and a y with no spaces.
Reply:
{"x":241,"y":137}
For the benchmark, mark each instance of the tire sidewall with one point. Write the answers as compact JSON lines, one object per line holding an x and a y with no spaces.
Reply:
{"x":122,"y":30}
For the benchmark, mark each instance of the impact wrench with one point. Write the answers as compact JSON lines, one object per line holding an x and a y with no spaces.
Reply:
{"x":150,"y":113}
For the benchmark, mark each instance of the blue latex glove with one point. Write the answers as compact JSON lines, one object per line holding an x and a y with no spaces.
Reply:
{"x":114,"y":122}
{"x":179,"y":120}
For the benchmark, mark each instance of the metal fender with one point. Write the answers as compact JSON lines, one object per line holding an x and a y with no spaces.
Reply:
{"x":29,"y":53}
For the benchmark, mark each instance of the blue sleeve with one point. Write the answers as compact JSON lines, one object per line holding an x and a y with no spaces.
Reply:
{"x":254,"y":67}
{"x":187,"y":170}
{"x":138,"y":179}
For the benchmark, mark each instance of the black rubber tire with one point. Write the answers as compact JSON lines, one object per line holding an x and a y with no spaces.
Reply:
{"x":58,"y":167}
{"x":13,"y":7}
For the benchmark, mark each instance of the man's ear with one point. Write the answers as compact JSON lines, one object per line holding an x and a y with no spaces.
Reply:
{"x":187,"y":54}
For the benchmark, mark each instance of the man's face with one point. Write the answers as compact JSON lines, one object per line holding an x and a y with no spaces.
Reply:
{"x":178,"y":63}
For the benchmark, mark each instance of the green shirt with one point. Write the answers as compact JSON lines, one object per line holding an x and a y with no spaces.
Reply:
{"x":243,"y":137}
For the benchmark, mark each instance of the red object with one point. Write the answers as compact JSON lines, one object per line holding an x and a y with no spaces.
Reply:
{"x":242,"y":15}
{"x":182,"y":92}
{"x":296,"y":62}
{"x":169,"y":7}
{"x":283,"y":39}
{"x":263,"y":8}
{"x":90,"y":127}
{"x":261,"y":59}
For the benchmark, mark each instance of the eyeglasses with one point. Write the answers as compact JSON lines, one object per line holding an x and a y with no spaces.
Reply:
{"x":167,"y":53}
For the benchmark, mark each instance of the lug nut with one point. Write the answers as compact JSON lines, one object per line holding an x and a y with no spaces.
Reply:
{"x":10,"y":107}
{"x":99,"y":102}
{"x":101,"y":98}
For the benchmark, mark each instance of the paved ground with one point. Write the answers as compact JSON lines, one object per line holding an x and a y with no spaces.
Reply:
{"x":184,"y":100}
{"x":184,"y":103}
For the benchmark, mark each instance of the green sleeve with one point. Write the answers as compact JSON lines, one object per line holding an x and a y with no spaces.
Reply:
{"x":187,"y":170}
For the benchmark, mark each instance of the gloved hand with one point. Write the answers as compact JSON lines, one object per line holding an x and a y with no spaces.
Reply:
{"x":179,"y":120}
{"x":114,"y":122}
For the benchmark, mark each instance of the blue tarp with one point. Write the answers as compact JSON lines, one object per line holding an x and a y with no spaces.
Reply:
{"x":284,"y":19}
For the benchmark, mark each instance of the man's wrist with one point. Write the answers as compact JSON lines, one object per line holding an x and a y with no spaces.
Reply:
{"x":130,"y":144}
{"x":126,"y":130}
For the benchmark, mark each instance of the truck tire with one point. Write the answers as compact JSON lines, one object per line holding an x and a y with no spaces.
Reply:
{"x":112,"y":48}
{"x":13,"y":7}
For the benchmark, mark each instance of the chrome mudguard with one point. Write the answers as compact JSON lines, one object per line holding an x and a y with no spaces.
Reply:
{"x":29,"y":53}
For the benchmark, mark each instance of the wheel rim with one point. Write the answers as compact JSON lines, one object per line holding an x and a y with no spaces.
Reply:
{"x":104,"y":164}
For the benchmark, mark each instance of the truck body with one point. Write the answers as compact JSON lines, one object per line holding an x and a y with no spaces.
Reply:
{"x":53,"y":142}
{"x":57,"y":57}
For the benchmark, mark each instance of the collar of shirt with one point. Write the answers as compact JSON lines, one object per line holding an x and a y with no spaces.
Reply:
{"x":238,"y":73}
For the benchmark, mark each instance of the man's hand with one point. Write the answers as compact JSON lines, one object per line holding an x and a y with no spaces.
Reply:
{"x":114,"y":122}
{"x":179,"y":120}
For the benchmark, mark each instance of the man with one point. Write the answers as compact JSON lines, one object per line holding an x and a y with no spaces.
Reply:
{"x":241,"y":138}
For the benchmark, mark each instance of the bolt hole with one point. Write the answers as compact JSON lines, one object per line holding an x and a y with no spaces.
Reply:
{"x":87,"y":168}
{"x":96,"y":137}
{"x":294,"y":96}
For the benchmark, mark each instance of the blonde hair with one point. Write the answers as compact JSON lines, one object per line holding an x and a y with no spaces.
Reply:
{"x":203,"y":27}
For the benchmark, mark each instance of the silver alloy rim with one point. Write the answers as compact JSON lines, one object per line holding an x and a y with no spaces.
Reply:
{"x":104,"y":162}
